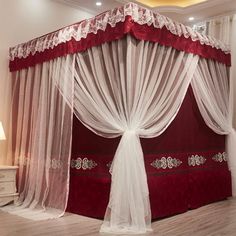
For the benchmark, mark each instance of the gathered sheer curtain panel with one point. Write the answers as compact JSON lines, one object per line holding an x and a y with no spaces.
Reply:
{"x":41,"y":139}
{"x":133,"y":89}
{"x":211,"y":89}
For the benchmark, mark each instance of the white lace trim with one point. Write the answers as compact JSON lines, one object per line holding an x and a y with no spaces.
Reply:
{"x":80,"y":30}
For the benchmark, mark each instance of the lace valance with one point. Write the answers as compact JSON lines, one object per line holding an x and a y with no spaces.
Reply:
{"x":114,"y":24}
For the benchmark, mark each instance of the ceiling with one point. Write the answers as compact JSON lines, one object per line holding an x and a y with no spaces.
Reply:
{"x":179,"y":3}
{"x":178,"y":10}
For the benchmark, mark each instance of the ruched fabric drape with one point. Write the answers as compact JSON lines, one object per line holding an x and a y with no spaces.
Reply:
{"x":134,"y":89}
{"x":41,"y":143}
{"x":212,"y":92}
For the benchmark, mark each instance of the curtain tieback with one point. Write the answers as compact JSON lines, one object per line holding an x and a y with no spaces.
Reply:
{"x":129,"y":132}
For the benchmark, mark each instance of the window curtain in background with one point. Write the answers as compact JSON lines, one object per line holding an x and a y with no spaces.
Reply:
{"x":42,"y":129}
{"x":5,"y":110}
{"x":133,"y":89}
{"x":224,"y":29}
{"x":211,"y":90}
{"x":220,"y":28}
{"x":232,"y":108}
{"x":233,"y":74}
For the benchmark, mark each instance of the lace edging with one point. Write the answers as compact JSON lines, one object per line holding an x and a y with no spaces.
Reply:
{"x":80,"y":30}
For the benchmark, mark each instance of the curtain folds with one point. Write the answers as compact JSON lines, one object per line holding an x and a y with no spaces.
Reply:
{"x":221,"y":28}
{"x":41,"y":144}
{"x":212,"y":92}
{"x":224,"y":29}
{"x":134,"y":89}
{"x":128,"y":87}
{"x":233,"y":73}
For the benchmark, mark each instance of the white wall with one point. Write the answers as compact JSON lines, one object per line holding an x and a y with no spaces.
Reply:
{"x":22,"y":20}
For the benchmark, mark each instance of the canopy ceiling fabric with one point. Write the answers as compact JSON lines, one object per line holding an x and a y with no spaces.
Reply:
{"x":114,"y":96}
{"x":131,"y":18}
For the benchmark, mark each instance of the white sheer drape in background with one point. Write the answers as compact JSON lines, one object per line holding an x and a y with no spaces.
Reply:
{"x":233,"y":100}
{"x":233,"y":73}
{"x":212,"y":92}
{"x":134,"y":89}
{"x":42,"y":147}
{"x":220,"y":28}
{"x":224,"y":29}
{"x":5,"y":110}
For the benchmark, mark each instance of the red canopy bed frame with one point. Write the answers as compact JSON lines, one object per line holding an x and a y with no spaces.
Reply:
{"x":185,"y":161}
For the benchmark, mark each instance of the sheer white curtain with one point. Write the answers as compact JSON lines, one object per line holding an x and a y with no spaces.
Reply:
{"x":134,"y":89}
{"x":233,"y":72}
{"x":232,"y":109}
{"x":220,"y":28}
{"x":5,"y":107}
{"x":212,"y":92}
{"x":41,"y":144}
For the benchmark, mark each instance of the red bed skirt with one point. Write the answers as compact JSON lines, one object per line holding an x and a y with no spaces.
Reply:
{"x":175,"y":184}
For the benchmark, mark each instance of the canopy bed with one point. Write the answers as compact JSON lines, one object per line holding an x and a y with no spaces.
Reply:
{"x":150,"y":102}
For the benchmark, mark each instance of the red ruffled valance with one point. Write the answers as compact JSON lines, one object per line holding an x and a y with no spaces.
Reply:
{"x":141,"y":23}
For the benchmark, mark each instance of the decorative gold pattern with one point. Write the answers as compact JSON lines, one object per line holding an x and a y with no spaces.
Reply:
{"x":220,"y":157}
{"x":164,"y":163}
{"x":83,"y":164}
{"x":196,"y":160}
